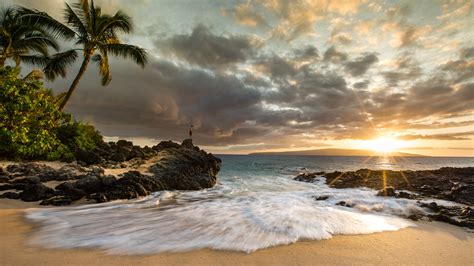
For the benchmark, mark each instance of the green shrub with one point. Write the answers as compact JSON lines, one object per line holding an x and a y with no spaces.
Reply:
{"x":31,"y":125}
{"x":78,"y":135}
{"x":27,"y":115}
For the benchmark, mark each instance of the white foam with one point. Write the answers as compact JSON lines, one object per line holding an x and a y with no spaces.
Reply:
{"x":225,"y":218}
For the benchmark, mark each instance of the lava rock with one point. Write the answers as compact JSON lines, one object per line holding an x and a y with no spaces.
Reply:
{"x":27,"y":180}
{"x":36,"y":192}
{"x":87,"y":157}
{"x":387,"y":192}
{"x":10,"y":195}
{"x":166,"y":145}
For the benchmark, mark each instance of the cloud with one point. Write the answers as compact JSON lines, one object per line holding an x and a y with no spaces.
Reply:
{"x":449,"y":136}
{"x":246,"y":15}
{"x":466,"y":53}
{"x":361,"y":65}
{"x":405,"y":68}
{"x":204,"y":48}
{"x":333,"y":55}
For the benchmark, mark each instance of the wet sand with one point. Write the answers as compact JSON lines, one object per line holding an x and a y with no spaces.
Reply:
{"x":428,"y":244}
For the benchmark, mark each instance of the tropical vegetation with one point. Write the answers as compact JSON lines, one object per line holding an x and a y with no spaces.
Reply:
{"x":32,"y":123}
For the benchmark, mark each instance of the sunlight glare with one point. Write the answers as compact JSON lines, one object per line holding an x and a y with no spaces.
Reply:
{"x":384,"y":145}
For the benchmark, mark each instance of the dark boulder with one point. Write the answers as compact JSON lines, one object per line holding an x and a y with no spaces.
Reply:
{"x":119,"y":156}
{"x":165,"y":145}
{"x":308,"y":177}
{"x":36,"y":192}
{"x":321,"y":198}
{"x":387,"y":192}
{"x":27,"y":169}
{"x":10,"y":195}
{"x":4,"y":178}
{"x":186,"y":170}
{"x":6,"y":187}
{"x":27,"y":180}
{"x":58,"y":201}
{"x":125,"y":144}
{"x":87,"y":157}
{"x":187,"y":144}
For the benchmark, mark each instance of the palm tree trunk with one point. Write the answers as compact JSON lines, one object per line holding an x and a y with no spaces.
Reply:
{"x":2,"y":60}
{"x":82,"y":70}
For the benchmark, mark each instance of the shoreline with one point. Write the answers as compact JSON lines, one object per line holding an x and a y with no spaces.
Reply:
{"x":431,"y":243}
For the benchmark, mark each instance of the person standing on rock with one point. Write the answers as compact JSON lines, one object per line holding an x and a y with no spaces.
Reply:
{"x":191,"y":132}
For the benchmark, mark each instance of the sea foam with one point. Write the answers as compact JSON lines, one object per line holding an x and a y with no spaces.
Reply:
{"x":231,"y":216}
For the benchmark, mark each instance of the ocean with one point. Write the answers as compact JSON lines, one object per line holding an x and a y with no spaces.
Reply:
{"x":255,"y":205}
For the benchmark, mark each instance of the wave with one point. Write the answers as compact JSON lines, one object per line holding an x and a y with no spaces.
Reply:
{"x":227,"y":217}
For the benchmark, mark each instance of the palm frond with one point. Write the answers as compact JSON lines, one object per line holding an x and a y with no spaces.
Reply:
{"x":76,"y":20}
{"x":102,"y":62}
{"x":120,"y":22}
{"x":39,"y":40}
{"x":37,"y":60}
{"x":43,"y":20}
{"x":58,"y":63}
{"x":137,"y":54}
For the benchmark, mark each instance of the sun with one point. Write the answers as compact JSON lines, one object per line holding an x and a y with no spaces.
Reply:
{"x":384,"y":144}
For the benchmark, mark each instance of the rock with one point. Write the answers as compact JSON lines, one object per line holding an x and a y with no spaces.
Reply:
{"x":387,"y":192}
{"x":89,"y":184}
{"x":133,"y":184}
{"x":166,"y":145}
{"x":415,"y":217}
{"x":6,"y":187}
{"x":406,"y":195}
{"x":57,"y":201}
{"x":322,"y":198}
{"x":125,"y":144}
{"x":137,"y":152}
{"x":99,"y":197}
{"x":187,"y":144}
{"x":432,"y":206}
{"x":175,"y":167}
{"x":87,"y":157}
{"x":10,"y":195}
{"x":119,"y":157}
{"x":185,"y":170}
{"x":28,"y":169}
{"x":4,"y":178}
{"x":36,"y":192}
{"x":345,"y":204}
{"x":308,"y":177}
{"x":27,"y":180}
{"x":456,"y":184}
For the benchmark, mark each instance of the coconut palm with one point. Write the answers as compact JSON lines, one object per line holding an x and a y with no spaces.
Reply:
{"x":97,"y":35}
{"x":23,"y":38}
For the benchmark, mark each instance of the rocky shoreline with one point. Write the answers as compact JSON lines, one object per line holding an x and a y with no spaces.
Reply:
{"x":447,"y":183}
{"x":166,"y":166}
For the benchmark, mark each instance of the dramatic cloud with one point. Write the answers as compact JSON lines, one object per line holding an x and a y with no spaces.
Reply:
{"x":450,"y":136}
{"x":280,"y":74}
{"x":207,"y":49}
{"x":360,"y":65}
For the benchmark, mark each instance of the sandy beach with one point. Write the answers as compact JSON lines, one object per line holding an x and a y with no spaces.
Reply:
{"x":428,"y":244}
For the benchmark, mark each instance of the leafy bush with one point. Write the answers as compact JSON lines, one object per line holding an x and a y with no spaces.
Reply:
{"x":78,"y":135}
{"x":31,"y":124}
{"x":27,"y":115}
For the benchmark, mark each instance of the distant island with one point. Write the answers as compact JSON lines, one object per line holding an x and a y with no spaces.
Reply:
{"x":339,"y":152}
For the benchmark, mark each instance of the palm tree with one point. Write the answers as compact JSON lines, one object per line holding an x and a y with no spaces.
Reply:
{"x":97,"y":35}
{"x":21,"y":34}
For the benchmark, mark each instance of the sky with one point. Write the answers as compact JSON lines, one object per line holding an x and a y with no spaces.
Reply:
{"x":287,"y":75}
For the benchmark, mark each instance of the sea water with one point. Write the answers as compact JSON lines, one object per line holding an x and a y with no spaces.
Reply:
{"x":255,"y":205}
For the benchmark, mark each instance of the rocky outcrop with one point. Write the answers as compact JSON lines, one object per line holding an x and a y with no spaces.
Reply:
{"x":173,"y":167}
{"x":447,"y":183}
